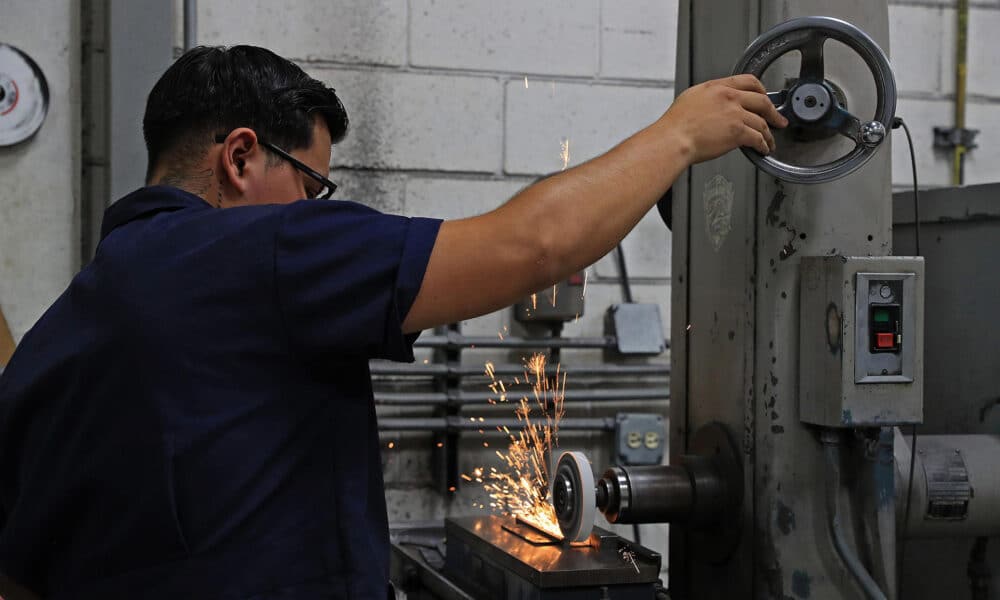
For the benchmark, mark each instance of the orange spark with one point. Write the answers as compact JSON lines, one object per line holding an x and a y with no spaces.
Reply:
{"x":521,"y":489}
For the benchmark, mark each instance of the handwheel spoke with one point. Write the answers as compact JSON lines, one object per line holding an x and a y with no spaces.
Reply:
{"x":780,"y":101}
{"x":811,"y":68}
{"x":845,"y":124}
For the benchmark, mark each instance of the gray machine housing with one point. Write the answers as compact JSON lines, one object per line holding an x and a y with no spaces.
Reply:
{"x":843,"y":382}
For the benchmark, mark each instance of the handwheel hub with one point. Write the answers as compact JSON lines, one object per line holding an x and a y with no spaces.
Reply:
{"x":811,"y":101}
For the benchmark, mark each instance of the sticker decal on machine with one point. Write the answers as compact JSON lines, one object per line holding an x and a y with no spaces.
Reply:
{"x":718,"y":200}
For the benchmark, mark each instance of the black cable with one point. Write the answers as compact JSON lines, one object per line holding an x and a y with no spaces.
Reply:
{"x":623,"y":275}
{"x":897,"y":123}
{"x":635,"y":533}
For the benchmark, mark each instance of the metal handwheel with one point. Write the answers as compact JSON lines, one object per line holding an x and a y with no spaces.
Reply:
{"x":814,"y":105}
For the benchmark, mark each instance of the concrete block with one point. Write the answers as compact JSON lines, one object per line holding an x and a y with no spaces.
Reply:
{"x":933,"y":168}
{"x":639,"y":39}
{"x":410,"y":121}
{"x":593,"y":118}
{"x":557,"y":37}
{"x":370,"y":32}
{"x":457,"y":198}
{"x":381,"y":190}
{"x":981,"y":163}
{"x":984,"y":60}
{"x":915,"y":35}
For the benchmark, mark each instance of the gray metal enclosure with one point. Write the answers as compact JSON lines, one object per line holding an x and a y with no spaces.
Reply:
{"x":735,"y":332}
{"x":960,"y":238}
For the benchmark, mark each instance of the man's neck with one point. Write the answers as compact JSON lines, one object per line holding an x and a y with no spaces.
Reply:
{"x":201,"y":183}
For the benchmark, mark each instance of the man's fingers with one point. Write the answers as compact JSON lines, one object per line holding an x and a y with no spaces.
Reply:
{"x":754,"y":139}
{"x":745,"y":82}
{"x":757,"y":122}
{"x":762,"y":105}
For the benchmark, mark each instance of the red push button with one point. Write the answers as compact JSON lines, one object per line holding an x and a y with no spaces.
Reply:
{"x":885,"y":341}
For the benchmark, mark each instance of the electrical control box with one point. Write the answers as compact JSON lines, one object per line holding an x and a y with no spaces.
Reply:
{"x":861,"y":340}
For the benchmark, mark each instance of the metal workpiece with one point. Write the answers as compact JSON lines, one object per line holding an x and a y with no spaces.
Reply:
{"x":811,"y":102}
{"x":498,"y":558}
{"x":501,"y":558}
{"x":846,"y":377}
{"x":956,"y":486}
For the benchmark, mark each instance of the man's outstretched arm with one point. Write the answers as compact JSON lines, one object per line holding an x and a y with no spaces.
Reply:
{"x":568,"y":221}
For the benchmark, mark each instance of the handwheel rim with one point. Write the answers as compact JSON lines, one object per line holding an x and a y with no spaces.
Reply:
{"x":792,"y":35}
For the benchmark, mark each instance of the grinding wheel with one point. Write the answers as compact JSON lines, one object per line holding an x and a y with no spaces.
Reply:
{"x":573,"y":496}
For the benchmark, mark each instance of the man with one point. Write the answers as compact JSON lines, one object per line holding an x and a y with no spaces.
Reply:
{"x":193,"y":417}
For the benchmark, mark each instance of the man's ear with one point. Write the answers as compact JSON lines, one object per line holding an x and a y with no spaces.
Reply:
{"x":238,"y":149}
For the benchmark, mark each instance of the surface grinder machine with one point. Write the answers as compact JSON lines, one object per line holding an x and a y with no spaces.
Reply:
{"x":798,"y":366}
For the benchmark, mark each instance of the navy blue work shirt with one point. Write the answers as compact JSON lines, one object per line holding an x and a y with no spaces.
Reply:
{"x":193,"y":417}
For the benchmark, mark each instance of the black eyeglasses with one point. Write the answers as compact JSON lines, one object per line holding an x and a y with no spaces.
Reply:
{"x":327,"y":187}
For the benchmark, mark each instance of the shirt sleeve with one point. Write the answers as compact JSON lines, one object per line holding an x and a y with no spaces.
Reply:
{"x":346,"y":277}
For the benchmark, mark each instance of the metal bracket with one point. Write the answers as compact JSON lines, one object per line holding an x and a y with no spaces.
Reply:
{"x":949,"y":138}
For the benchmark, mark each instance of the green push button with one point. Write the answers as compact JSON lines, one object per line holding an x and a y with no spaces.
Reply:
{"x":881,"y":315}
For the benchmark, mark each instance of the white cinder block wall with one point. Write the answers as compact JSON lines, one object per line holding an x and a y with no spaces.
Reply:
{"x":922,"y":35}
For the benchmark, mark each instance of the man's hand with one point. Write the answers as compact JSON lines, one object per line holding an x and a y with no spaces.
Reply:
{"x":717,"y":116}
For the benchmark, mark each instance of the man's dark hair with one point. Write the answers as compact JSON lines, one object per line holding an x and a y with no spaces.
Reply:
{"x":213,"y":90}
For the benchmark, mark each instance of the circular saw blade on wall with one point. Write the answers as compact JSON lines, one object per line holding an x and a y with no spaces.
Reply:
{"x":24,"y":96}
